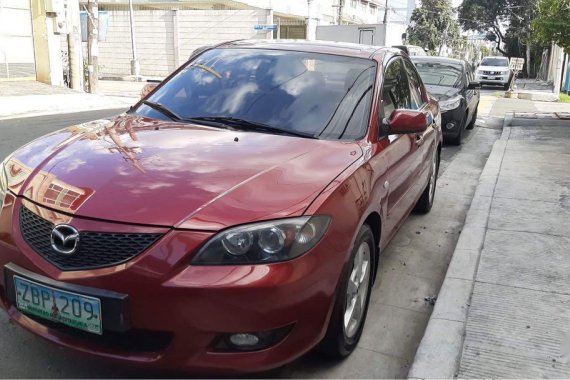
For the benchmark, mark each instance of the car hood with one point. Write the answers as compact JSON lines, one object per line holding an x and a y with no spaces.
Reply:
{"x":441,"y":93}
{"x":144,"y":171}
{"x":492,"y":68}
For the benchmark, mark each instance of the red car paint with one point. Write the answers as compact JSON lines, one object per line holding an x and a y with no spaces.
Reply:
{"x":127,"y":175}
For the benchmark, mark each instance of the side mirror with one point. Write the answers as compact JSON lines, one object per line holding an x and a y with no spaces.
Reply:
{"x":474,"y":85}
{"x":406,"y":121}
{"x":148,"y":88}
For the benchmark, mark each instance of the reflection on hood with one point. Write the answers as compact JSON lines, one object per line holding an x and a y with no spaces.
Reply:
{"x":442,"y":92}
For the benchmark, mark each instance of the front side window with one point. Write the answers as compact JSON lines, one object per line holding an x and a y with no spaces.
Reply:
{"x":415,"y":87}
{"x":396,"y":90}
{"x":318,"y":95}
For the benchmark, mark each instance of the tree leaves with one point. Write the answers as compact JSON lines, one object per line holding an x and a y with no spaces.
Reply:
{"x":553,"y":23}
{"x":433,"y":24}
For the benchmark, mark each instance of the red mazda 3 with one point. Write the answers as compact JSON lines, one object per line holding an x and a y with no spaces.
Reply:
{"x":232,"y":220}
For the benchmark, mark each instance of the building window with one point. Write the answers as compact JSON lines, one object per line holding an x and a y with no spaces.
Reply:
{"x":373,"y":9}
{"x":363,"y":6}
{"x":354,"y":4}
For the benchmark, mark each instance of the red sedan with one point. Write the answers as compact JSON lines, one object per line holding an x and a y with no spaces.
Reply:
{"x":232,"y":220}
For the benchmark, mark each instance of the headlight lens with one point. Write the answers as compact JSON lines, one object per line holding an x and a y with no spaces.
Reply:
{"x":450,"y":104}
{"x":265,"y":242}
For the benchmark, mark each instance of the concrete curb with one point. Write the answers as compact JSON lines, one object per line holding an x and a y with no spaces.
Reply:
{"x":439,"y":352}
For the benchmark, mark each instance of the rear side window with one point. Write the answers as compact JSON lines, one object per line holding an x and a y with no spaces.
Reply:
{"x":396,"y":90}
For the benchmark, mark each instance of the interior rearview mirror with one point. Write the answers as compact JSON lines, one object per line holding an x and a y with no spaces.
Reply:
{"x":407,"y":121}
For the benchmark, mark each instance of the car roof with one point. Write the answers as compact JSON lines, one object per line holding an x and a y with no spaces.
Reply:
{"x":428,"y":58}
{"x":326,"y":47}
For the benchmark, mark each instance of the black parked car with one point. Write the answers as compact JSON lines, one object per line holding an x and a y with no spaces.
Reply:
{"x":451,"y":82}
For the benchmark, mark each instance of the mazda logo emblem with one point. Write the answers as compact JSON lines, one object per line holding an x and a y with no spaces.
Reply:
{"x":64,"y":239}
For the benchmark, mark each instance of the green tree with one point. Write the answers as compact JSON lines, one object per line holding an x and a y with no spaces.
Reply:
{"x":485,"y":16}
{"x":507,"y":22}
{"x":553,"y":23}
{"x":433,"y":25}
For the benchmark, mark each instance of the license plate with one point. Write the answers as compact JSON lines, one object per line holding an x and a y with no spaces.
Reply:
{"x":70,"y":309}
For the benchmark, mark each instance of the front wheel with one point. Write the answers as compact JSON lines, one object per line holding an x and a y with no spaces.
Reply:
{"x":353,"y":296}
{"x":425,"y":202}
{"x":473,"y":119}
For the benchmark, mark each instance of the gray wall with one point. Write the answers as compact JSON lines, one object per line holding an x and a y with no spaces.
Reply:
{"x":166,"y":38}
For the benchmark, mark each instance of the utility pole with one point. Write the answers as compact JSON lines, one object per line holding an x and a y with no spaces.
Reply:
{"x":386,"y":12}
{"x":92,"y":44}
{"x":135,"y":66}
{"x":74,"y":45}
{"x":340,"y":6}
{"x":443,"y":42}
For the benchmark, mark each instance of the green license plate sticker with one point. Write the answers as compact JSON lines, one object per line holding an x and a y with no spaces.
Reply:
{"x":70,"y":309}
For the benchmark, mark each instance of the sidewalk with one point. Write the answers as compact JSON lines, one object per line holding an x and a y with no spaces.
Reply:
{"x":504,"y":308}
{"x":532,"y":89}
{"x":30,"y":98}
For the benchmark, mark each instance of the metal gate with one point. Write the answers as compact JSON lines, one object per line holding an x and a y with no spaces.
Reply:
{"x":16,"y":40}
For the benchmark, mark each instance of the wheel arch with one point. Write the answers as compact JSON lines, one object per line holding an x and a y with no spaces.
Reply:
{"x":374,"y":221}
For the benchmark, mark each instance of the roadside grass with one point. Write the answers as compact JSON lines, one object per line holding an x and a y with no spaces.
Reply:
{"x":565,"y":98}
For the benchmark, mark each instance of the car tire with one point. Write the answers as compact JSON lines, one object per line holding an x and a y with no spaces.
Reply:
{"x":425,"y":202}
{"x":506,"y":86}
{"x":471,"y":124}
{"x":341,"y":338}
{"x":456,"y":140}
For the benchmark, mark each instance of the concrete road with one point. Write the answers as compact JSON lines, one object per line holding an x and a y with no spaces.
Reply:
{"x":412,"y":269}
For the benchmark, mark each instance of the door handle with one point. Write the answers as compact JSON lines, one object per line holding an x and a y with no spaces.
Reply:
{"x":419,"y":139}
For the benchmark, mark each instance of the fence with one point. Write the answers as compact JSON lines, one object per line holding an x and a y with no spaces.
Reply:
{"x":166,"y":38}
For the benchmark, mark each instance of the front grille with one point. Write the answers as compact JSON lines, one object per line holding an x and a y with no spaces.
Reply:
{"x":492,"y":72}
{"x":95,"y":249}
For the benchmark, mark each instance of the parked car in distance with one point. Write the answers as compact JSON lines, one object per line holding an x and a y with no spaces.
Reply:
{"x":450,"y":81}
{"x":232,"y":220}
{"x":412,"y":50}
{"x":494,"y":71}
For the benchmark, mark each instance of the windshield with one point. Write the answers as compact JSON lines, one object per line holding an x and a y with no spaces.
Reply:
{"x":440,"y":74}
{"x":495,"y":62}
{"x":320,"y":95}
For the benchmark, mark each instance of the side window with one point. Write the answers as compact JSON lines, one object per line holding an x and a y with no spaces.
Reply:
{"x":470,"y":77}
{"x":415,"y":87}
{"x":396,"y":91}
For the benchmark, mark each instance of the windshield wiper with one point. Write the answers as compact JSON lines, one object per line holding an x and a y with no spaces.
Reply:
{"x":252,"y":126}
{"x":175,"y":117}
{"x":163,"y":110}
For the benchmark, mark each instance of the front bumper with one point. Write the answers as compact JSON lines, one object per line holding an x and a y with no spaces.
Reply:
{"x":501,"y":79}
{"x":176,"y":312}
{"x":451,"y":121}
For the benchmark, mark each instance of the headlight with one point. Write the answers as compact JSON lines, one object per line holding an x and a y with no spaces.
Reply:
{"x":450,"y":104}
{"x":3,"y":183}
{"x":265,"y":242}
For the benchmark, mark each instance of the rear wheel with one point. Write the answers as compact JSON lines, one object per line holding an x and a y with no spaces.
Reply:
{"x":353,"y":296}
{"x":425,"y":202}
